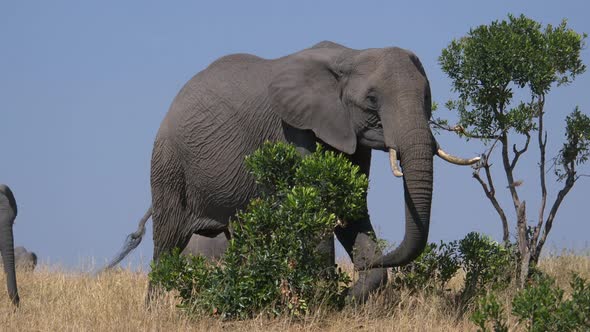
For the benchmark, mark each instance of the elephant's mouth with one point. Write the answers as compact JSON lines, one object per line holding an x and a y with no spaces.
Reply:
{"x":373,"y":138}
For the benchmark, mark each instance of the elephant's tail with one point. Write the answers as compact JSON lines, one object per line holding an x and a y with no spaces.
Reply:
{"x":132,"y":241}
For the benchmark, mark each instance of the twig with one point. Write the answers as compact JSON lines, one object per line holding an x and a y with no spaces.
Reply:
{"x":461,"y":131}
{"x":508,"y":171}
{"x":490,"y":191}
{"x":542,"y":144}
{"x":518,"y":153}
{"x":569,"y":183}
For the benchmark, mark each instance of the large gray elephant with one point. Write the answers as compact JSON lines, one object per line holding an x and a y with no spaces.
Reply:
{"x":353,"y":101}
{"x":8,"y":212}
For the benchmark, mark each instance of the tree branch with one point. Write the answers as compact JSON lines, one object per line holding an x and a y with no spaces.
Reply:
{"x":518,"y":153}
{"x":486,"y":166}
{"x":569,"y":183}
{"x":508,"y":171}
{"x":458,"y":129}
{"x":542,"y":144}
{"x":523,"y":242}
{"x":499,"y":210}
{"x":491,"y":192}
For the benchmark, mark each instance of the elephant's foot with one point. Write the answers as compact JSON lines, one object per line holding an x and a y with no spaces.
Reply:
{"x":368,"y":282}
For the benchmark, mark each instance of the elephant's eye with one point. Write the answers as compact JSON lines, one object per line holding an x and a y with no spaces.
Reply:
{"x":372,"y":102}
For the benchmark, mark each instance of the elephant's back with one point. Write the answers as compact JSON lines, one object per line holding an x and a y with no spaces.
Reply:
{"x":227,"y":82}
{"x":221,"y":115}
{"x":229,"y":86}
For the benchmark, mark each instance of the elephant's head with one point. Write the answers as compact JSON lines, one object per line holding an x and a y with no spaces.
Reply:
{"x":379,"y":98}
{"x":8,"y":213}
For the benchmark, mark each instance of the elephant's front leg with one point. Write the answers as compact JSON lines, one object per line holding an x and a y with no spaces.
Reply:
{"x":327,"y":251}
{"x":358,"y":239}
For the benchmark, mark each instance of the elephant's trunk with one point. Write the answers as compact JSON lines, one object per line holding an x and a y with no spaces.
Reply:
{"x":408,"y":136}
{"x":416,"y":162}
{"x":7,"y":250}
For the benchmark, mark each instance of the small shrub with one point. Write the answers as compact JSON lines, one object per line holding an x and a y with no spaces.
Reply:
{"x":174,"y":271}
{"x":486,"y":262}
{"x":489,"y":313}
{"x":541,"y":307}
{"x":431,"y":270}
{"x":580,"y":303}
{"x":487,"y":265}
{"x":272,"y":265}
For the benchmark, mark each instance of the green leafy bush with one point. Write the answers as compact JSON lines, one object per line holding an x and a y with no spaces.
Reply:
{"x":272,"y":265}
{"x":485,"y":262}
{"x":490,"y":313}
{"x":540,"y":306}
{"x":431,"y":270}
{"x":487,"y":265}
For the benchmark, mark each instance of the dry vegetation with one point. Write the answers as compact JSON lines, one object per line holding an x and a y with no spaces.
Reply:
{"x":67,"y":301}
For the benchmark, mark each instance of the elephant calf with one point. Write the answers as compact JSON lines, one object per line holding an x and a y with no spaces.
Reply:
{"x":25,"y":259}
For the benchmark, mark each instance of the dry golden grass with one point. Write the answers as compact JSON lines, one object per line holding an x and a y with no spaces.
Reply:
{"x":67,"y":301}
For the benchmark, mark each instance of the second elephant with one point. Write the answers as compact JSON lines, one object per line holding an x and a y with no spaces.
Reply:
{"x":25,"y":259}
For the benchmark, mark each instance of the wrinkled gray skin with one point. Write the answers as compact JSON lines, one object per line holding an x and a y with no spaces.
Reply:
{"x":8,"y":212}
{"x":212,"y":248}
{"x":25,"y":259}
{"x":353,"y":101}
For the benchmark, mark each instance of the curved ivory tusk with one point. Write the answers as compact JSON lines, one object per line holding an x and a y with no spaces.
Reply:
{"x":456,"y":160}
{"x":393,"y":163}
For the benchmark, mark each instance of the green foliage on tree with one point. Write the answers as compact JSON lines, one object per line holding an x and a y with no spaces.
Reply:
{"x":272,"y":265}
{"x":493,"y":61}
{"x":502,"y":74}
{"x":576,"y":149}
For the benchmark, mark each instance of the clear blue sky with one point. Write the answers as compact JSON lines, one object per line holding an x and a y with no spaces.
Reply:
{"x":83,"y":88}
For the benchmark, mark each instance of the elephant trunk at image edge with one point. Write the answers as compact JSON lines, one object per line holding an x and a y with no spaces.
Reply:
{"x":8,"y":212}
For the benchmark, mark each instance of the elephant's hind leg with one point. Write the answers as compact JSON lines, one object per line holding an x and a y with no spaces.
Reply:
{"x":167,"y":236}
{"x":170,"y":211}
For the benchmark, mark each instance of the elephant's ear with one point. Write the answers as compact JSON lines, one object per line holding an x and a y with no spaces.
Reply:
{"x":305,"y":94}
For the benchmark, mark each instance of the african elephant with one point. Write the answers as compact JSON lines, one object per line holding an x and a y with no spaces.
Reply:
{"x":25,"y":259}
{"x":353,"y":101}
{"x":8,"y":212}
